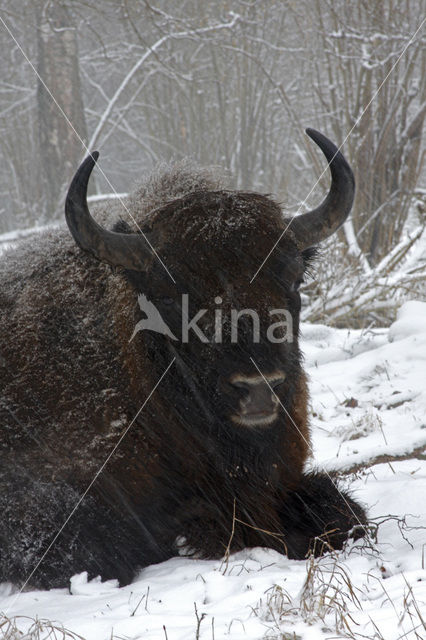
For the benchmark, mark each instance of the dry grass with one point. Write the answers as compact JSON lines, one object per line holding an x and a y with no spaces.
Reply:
{"x":36,"y":629}
{"x":369,"y":422}
{"x":329,"y":597}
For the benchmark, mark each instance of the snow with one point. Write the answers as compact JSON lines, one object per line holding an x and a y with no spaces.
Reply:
{"x":368,"y":418}
{"x":15,"y":236}
{"x":385,"y":376}
{"x":100,"y":197}
{"x":410,"y":320}
{"x":8,"y":240}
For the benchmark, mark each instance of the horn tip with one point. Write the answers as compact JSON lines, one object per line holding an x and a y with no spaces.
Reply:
{"x":94,"y":155}
{"x":314,"y":134}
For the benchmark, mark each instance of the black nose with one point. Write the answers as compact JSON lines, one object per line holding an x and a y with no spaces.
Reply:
{"x":260,"y":399}
{"x":258,"y":394}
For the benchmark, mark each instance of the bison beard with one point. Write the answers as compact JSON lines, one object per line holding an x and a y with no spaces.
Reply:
{"x":71,"y":383}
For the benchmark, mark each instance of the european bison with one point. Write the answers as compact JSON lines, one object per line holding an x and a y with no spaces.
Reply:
{"x":172,"y":435}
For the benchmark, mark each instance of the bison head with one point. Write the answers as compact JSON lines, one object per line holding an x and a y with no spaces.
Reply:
{"x":239,"y":368}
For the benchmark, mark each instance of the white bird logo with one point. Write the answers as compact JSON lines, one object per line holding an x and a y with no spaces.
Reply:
{"x":153,"y":321}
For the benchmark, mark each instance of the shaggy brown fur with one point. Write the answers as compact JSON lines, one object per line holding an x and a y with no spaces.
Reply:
{"x":71,"y":383}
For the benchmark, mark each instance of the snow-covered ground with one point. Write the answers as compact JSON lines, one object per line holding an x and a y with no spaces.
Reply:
{"x":369,"y":421}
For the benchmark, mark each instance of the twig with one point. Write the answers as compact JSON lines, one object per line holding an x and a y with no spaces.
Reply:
{"x":199,"y":621}
{"x":228,"y":548}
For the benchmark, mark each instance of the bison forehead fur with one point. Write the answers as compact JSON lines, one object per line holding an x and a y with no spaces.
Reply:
{"x":71,"y":385}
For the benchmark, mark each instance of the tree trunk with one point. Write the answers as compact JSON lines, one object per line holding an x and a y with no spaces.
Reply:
{"x":62,"y":125}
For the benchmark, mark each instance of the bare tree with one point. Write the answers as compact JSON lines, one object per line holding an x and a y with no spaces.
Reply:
{"x":368,"y":71}
{"x":18,"y":122}
{"x":232,"y":83}
{"x":61,"y":118}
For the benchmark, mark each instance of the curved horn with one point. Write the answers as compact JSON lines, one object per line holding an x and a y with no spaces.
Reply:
{"x":118,"y":249}
{"x":316,"y":225}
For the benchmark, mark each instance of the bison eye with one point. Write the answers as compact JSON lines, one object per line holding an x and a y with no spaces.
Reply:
{"x":295,"y":286}
{"x":166,"y":300}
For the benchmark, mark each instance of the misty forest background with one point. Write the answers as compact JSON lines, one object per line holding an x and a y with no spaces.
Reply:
{"x":230,"y":83}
